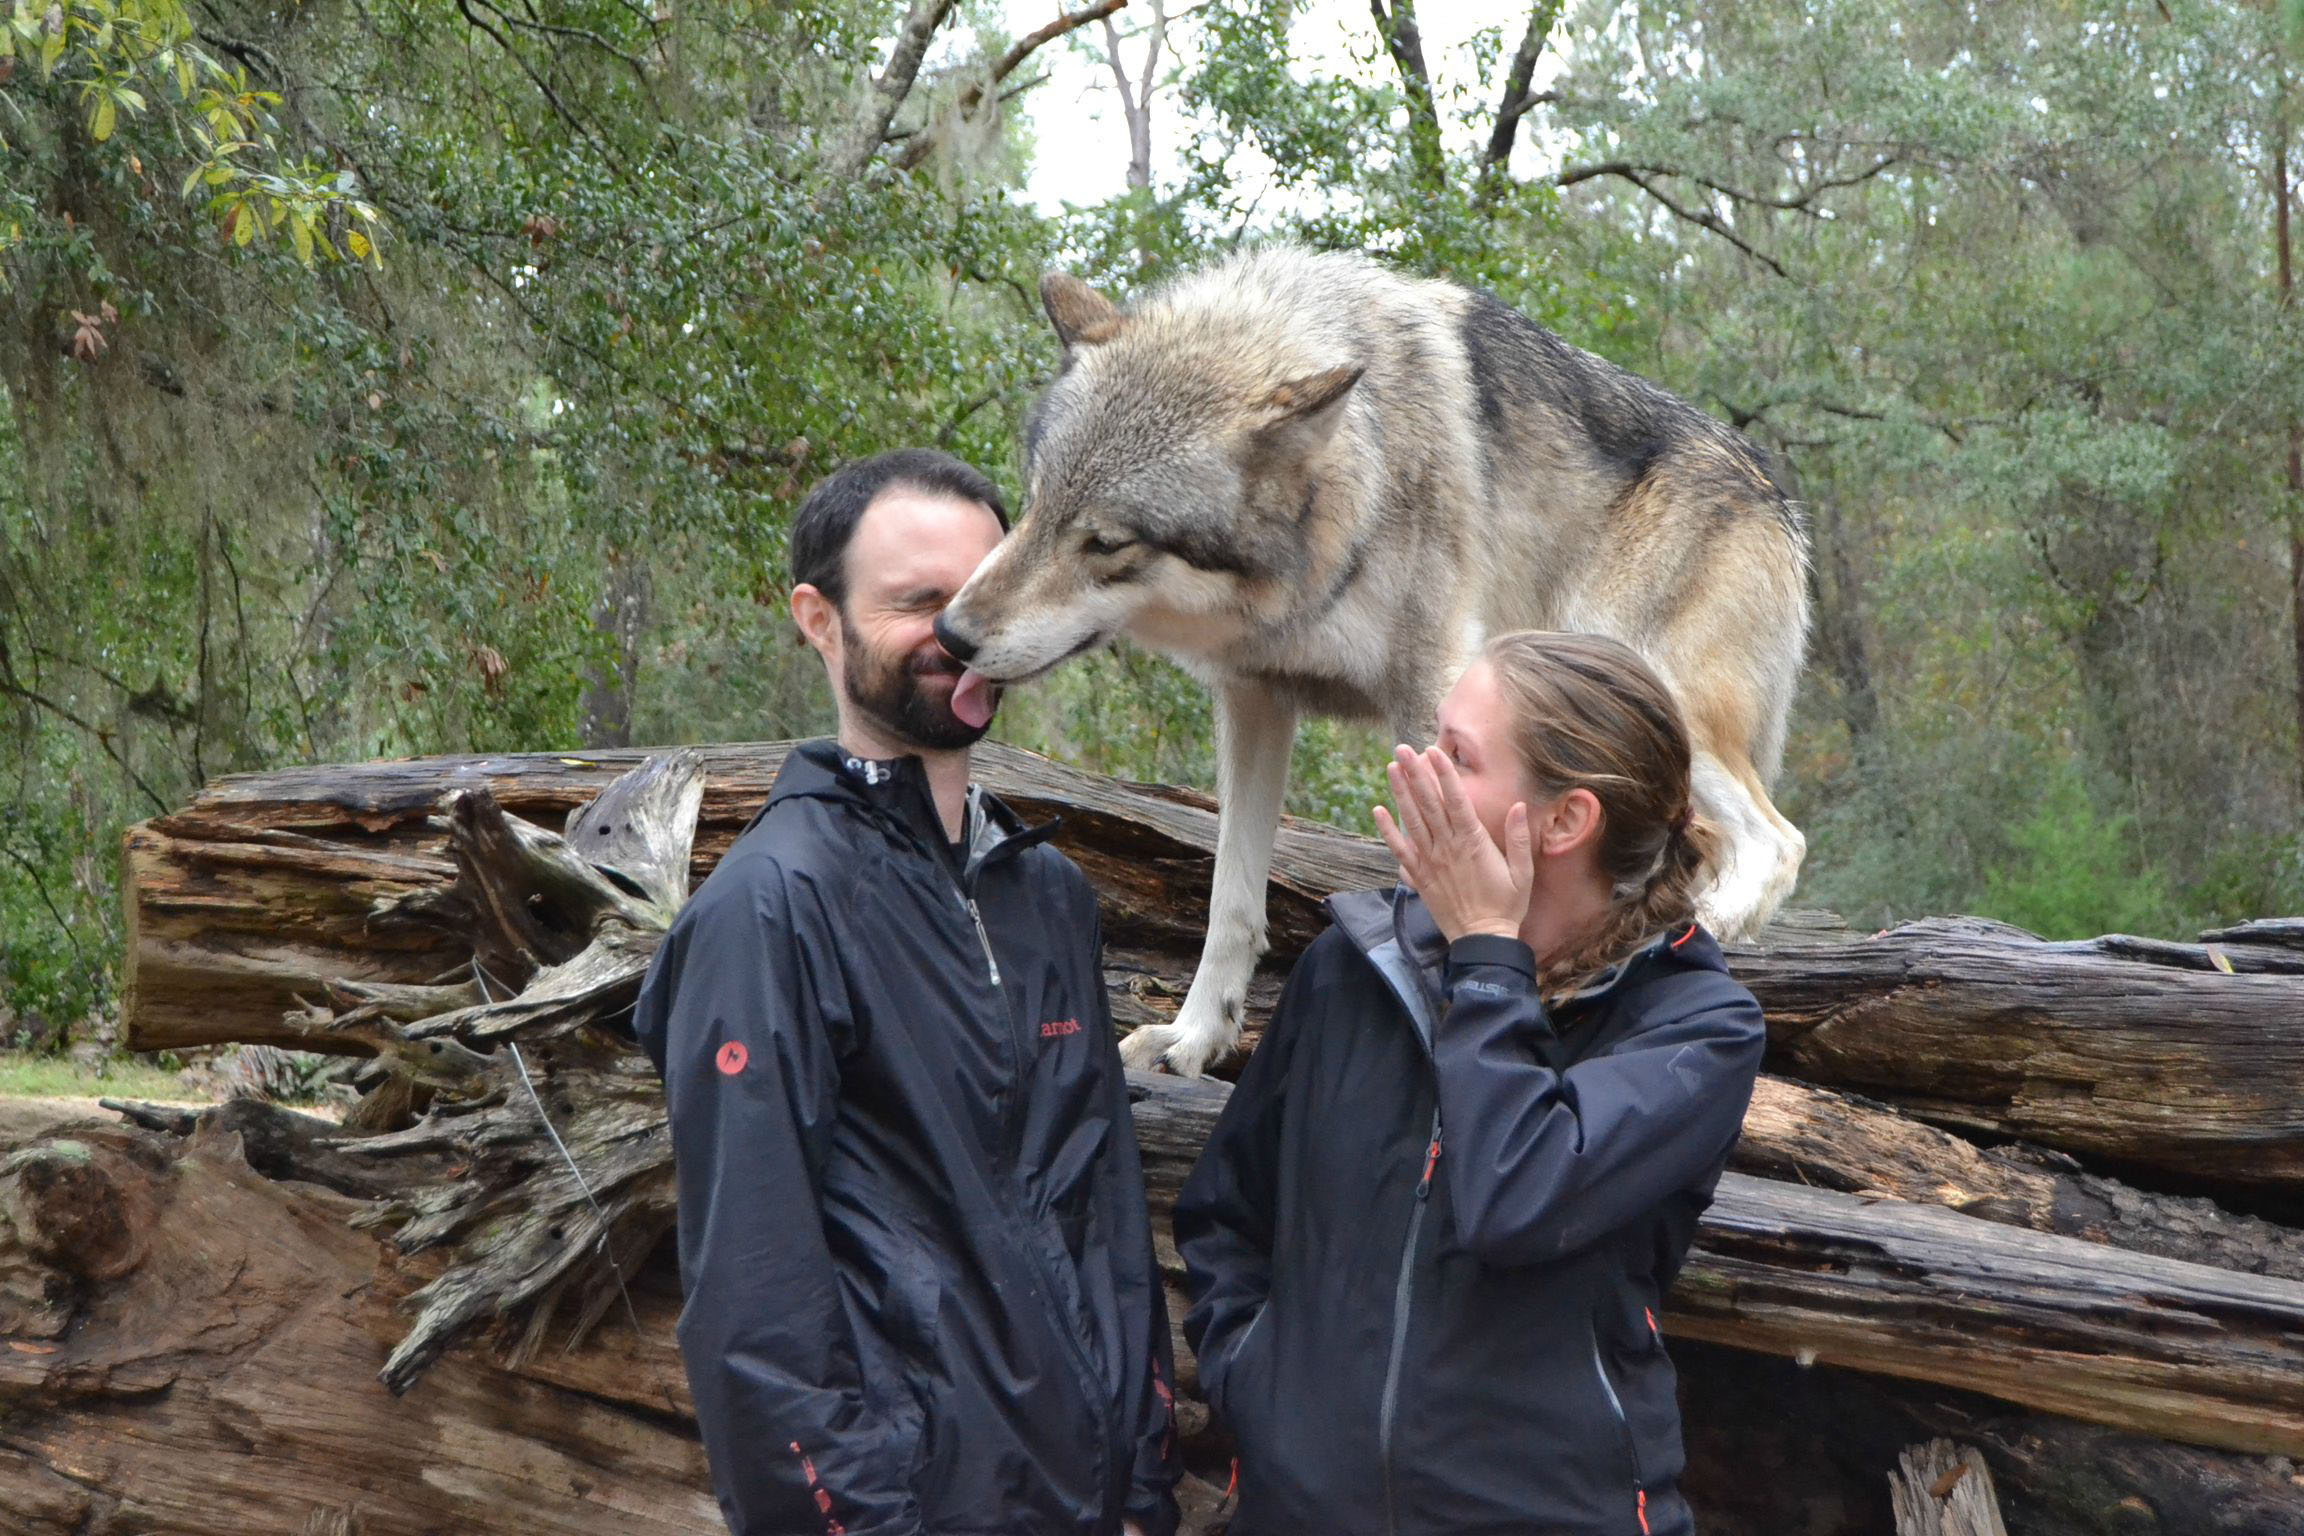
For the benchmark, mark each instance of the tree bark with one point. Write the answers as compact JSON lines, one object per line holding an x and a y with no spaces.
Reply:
{"x":886,"y":95}
{"x":1942,"y":1489}
{"x":1404,"y":41}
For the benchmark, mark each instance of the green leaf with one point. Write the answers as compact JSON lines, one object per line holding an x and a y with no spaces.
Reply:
{"x":102,"y":120}
{"x":50,"y":52}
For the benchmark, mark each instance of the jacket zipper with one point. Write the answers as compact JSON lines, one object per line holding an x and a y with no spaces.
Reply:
{"x":1089,"y":1375}
{"x":1624,"y":1425}
{"x":1403,"y":1293}
{"x":982,"y":937}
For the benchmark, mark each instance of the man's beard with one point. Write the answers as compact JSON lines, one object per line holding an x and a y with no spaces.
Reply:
{"x":889,"y":692}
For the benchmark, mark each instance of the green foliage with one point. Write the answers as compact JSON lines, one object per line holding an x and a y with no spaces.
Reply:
{"x":2074,"y":871}
{"x":1995,"y":286}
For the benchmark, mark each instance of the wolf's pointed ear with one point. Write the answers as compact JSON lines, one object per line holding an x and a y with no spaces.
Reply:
{"x":1313,"y":393}
{"x":1082,"y":316}
{"x":1303,"y":412}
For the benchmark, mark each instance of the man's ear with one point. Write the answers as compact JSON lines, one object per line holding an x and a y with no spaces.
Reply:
{"x":1082,"y":316}
{"x":1569,"y":823}
{"x":818,"y":618}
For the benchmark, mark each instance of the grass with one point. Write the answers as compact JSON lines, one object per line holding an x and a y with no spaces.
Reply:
{"x":24,"y":1075}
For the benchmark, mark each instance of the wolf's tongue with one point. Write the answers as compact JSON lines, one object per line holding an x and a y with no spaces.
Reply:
{"x":972,"y":699}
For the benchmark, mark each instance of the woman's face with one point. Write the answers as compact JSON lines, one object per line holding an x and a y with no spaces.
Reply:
{"x":1476,"y":733}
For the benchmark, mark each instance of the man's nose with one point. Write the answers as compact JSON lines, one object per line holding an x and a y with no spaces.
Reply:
{"x":961,"y":648}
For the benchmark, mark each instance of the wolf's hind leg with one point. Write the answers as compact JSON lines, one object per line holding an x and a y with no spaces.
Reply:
{"x":1254,"y":732}
{"x":1760,"y":851}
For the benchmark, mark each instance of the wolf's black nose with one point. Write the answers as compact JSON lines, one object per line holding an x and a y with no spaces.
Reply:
{"x":962,"y":648}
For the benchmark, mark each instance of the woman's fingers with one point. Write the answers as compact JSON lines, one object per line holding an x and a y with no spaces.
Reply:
{"x":1424,"y":790}
{"x":1456,"y":806}
{"x":1402,"y":850}
{"x":1519,"y":847}
{"x":1401,"y":774}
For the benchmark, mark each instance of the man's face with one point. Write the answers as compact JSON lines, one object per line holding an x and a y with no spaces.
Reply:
{"x":911,"y":551}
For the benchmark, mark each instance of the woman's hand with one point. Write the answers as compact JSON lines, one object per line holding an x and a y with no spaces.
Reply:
{"x":1469,"y":885}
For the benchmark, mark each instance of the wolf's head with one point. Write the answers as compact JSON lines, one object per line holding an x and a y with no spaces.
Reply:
{"x":1169,"y":470}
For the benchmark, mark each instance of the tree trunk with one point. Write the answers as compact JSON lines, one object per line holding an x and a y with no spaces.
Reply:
{"x":534,"y":1196}
{"x":270,"y":886}
{"x":214,"y":1369}
{"x":201,"y":1351}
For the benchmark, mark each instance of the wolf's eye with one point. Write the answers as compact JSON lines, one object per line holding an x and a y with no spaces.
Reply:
{"x":1106,"y":543}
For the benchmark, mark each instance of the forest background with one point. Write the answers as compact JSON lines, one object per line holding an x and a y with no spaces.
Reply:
{"x":403,"y":376}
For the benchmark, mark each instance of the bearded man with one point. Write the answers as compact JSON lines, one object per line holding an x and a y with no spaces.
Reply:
{"x":920,"y":1287}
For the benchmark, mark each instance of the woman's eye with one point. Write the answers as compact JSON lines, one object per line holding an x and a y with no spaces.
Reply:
{"x":1106,"y":543}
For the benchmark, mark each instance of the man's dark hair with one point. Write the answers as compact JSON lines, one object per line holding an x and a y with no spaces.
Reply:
{"x":827,"y":520}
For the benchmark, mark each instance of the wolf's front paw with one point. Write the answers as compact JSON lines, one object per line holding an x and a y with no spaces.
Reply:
{"x":1142,"y":1047}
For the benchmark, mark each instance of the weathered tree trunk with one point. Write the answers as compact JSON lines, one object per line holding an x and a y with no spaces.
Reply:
{"x":542,"y":1172}
{"x":269,"y":886}
{"x":204,"y":1360}
{"x":202,"y":1345}
{"x":2140,"y":1052}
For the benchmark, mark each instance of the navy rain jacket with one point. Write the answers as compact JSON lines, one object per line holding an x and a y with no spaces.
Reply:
{"x":1427,"y":1241}
{"x":919,"y":1276}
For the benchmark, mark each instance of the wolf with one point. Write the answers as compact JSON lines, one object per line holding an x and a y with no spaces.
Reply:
{"x":1317,"y":483}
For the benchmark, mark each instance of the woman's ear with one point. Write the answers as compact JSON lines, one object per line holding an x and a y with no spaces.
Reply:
{"x":1569,"y":823}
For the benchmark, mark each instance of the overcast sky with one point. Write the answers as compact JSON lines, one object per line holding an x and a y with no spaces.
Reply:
{"x":1083,"y":141}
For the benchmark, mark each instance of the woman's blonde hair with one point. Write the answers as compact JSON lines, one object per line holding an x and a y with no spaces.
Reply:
{"x":1588,"y":713}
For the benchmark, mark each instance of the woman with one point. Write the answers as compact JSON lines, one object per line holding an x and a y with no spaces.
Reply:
{"x":1428,"y":1240}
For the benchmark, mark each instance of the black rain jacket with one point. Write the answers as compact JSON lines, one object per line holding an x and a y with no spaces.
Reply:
{"x":1427,"y":1241}
{"x":920,"y":1287}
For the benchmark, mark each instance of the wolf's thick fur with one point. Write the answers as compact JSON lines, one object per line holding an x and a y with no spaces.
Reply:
{"x":1317,"y":484}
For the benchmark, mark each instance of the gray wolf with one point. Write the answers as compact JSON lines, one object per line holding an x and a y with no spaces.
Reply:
{"x":1317,"y":484}
{"x":833,"y":1016}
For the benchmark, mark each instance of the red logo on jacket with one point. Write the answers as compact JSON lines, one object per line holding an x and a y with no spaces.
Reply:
{"x":1055,"y":1027}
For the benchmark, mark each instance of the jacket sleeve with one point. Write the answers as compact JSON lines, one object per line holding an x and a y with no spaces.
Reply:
{"x":1224,"y":1216}
{"x":742,"y":1011}
{"x":1542,"y":1159}
{"x":1151,"y":1502}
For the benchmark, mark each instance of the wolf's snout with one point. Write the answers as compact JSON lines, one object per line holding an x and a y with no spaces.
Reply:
{"x":962,"y":648}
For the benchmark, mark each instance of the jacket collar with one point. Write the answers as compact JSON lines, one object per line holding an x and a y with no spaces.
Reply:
{"x":894,"y":791}
{"x":1372,"y":919}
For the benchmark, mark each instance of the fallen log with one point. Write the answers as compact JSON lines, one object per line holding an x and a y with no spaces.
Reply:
{"x":211,"y":1368}
{"x":2145,"y":1054}
{"x":207,"y":1362}
{"x":270,"y":886}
